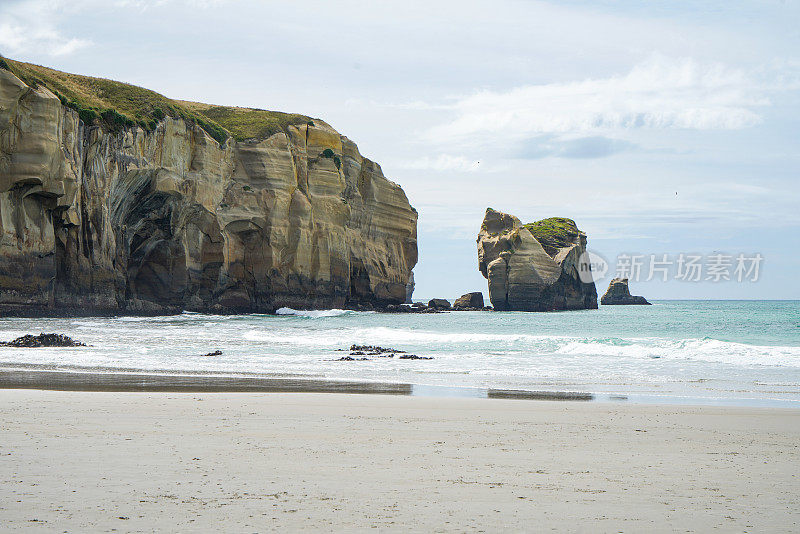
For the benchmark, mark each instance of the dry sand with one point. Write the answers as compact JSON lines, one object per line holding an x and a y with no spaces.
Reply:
{"x":256,"y":462}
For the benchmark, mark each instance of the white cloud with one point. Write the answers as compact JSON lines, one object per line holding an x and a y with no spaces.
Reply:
{"x":28,"y":28}
{"x":31,"y":27}
{"x":660,"y":93}
{"x":442,"y":162}
{"x":23,"y":37}
{"x":145,"y":4}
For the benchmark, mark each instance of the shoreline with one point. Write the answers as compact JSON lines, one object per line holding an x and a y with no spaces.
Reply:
{"x":119,"y":381}
{"x":199,"y":462}
{"x":46,"y":377}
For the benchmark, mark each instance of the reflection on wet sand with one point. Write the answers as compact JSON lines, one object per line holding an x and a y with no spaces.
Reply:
{"x":49,"y":378}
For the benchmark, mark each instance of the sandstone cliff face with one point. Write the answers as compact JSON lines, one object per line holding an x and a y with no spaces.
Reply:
{"x":619,"y":293}
{"x":150,"y":222}
{"x":523,"y":276}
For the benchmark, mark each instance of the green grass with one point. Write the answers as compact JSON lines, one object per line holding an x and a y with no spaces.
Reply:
{"x":554,"y":233}
{"x":247,"y":123}
{"x":116,"y":105}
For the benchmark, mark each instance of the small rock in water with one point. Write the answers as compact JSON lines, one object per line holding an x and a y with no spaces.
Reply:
{"x":215,"y":353}
{"x":367,"y":352}
{"x":372,"y":350}
{"x":414,"y":357}
{"x":43,"y":340}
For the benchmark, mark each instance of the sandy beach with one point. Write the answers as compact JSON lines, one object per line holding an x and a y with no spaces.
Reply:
{"x":255,"y":462}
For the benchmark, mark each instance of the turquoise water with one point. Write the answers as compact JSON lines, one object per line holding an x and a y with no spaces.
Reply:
{"x":719,"y":352}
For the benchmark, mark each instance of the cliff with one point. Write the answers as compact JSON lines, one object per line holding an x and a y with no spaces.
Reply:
{"x":116,"y":199}
{"x":534,"y":267}
{"x":618,"y":293}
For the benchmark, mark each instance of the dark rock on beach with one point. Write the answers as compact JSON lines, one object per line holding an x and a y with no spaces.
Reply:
{"x":414,"y":357}
{"x":215,"y":353}
{"x":618,"y":293}
{"x":43,"y":340}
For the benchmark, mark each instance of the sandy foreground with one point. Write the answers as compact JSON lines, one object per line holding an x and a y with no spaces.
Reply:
{"x":255,"y":462}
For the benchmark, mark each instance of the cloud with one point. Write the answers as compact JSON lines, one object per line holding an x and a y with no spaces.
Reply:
{"x":146,"y":4}
{"x":22,"y":37}
{"x":660,"y":93}
{"x":442,"y":162}
{"x":591,"y":147}
{"x":31,"y":27}
{"x":28,"y":28}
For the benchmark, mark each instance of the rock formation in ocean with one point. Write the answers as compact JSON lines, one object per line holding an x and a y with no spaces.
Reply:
{"x":472,"y":301}
{"x":116,"y":199}
{"x":439,"y":304}
{"x":618,"y":293}
{"x":534,"y":267}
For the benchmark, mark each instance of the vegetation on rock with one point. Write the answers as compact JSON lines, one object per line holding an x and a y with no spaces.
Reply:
{"x":328,"y":153}
{"x":247,"y":123}
{"x":116,"y":105}
{"x":554,"y":233}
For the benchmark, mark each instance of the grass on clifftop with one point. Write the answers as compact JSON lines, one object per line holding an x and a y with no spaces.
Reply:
{"x":117,"y":104}
{"x":554,"y":233}
{"x":247,"y":123}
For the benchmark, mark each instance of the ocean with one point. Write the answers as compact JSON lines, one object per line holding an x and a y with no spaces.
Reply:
{"x":699,"y":352}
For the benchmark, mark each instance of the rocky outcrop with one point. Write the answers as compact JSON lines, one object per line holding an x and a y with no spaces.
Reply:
{"x":439,"y":304}
{"x":469,"y":301}
{"x":619,"y":293}
{"x":523,"y":275}
{"x":140,"y":220}
{"x":42,"y":340}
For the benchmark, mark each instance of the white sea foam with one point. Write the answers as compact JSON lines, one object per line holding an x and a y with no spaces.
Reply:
{"x":395,"y":336}
{"x":496,"y":346}
{"x":707,"y":350}
{"x":612,"y":350}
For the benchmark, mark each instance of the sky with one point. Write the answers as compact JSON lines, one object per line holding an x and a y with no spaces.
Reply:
{"x":662,"y":128}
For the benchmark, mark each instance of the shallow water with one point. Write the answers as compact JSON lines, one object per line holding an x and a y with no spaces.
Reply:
{"x":718,"y":352}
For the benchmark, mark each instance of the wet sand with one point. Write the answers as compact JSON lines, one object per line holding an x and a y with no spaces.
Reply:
{"x":257,"y":462}
{"x":44,"y":377}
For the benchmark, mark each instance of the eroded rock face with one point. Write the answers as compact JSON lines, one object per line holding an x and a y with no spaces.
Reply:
{"x":523,"y":276}
{"x":619,"y":293}
{"x":138,"y":222}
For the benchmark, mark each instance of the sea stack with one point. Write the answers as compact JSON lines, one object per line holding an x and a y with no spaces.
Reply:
{"x":116,"y":199}
{"x":536,"y":266}
{"x":618,"y":293}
